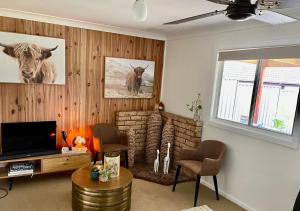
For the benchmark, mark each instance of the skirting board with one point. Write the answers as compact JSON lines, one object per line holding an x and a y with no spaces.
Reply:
{"x":228,"y":196}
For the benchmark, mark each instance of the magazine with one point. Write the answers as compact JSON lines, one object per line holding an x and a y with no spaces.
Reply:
{"x":21,"y":168}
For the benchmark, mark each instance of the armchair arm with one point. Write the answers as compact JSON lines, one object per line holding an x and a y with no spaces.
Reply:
{"x":210,"y":167}
{"x":96,"y":144}
{"x":190,"y":155}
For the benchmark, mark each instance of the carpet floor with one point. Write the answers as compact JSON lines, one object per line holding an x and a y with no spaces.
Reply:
{"x":53,"y":193}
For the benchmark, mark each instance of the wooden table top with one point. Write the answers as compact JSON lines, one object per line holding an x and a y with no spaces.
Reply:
{"x":82,"y":178}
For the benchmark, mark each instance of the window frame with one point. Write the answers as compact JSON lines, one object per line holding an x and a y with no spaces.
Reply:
{"x":290,"y":141}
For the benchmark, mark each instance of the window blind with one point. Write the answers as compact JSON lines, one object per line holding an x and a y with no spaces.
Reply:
{"x":261,"y":53}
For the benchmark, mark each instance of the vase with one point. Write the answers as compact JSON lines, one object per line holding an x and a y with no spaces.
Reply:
{"x":197,"y":116}
{"x":112,"y":164}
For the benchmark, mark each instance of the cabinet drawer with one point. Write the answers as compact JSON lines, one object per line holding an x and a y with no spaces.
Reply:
{"x":65,"y":163}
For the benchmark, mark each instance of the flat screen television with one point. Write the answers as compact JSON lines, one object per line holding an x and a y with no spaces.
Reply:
{"x":24,"y":139}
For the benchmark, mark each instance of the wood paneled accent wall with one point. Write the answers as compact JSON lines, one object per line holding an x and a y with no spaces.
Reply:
{"x":80,"y":102}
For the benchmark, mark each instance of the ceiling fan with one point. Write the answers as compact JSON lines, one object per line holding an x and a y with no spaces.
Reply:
{"x":241,"y":10}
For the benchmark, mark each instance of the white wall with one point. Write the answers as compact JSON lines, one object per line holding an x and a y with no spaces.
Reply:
{"x":259,"y":175}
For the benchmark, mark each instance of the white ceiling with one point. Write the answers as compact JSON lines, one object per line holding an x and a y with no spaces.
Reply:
{"x":118,"y":13}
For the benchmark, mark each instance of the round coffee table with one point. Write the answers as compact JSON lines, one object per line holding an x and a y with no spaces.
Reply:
{"x":88,"y":194}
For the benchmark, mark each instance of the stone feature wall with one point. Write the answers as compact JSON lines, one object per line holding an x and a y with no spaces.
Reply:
{"x":138,"y":121}
{"x":185,"y":137}
{"x":187,"y":131}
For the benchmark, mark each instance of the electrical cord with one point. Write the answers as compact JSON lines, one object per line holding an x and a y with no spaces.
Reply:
{"x":4,"y":191}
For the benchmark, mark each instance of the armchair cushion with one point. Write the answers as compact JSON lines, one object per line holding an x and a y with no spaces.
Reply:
{"x":193,"y":165}
{"x":207,"y":167}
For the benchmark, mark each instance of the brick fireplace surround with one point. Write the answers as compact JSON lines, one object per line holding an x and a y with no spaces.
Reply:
{"x":184,"y":130}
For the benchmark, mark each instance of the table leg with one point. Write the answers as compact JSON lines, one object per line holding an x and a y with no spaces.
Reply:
{"x":10,"y":183}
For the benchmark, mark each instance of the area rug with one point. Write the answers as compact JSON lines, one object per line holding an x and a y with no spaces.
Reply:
{"x":201,"y":208}
{"x":145,"y":172}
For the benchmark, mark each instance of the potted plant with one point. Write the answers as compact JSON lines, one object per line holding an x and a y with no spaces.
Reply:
{"x":278,"y":123}
{"x":196,"y":107}
{"x":104,"y":175}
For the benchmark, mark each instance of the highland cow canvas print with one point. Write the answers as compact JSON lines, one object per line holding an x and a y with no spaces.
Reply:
{"x":31,"y":59}
{"x":128,"y":78}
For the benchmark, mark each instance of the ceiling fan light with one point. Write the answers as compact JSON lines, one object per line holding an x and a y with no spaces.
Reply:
{"x":241,"y":11}
{"x":139,"y":10}
{"x":241,"y":16}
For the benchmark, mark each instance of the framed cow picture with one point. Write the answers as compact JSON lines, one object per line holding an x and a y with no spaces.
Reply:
{"x":31,"y":59}
{"x":128,"y":78}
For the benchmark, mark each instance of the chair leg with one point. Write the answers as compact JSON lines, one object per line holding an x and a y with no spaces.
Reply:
{"x":103,"y":154}
{"x":197,"y":190}
{"x":96,"y":157}
{"x":126,"y":158}
{"x":176,"y":177}
{"x":216,"y":186}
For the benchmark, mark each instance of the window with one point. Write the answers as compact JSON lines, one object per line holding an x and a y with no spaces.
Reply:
{"x":277,"y":95}
{"x":236,"y":90}
{"x":259,"y":88}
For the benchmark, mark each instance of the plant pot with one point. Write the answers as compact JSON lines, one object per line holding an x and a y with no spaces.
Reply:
{"x":197,"y":133}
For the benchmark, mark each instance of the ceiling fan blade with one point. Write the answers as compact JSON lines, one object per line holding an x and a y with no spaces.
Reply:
{"x":278,"y":4}
{"x":226,"y":2}
{"x":274,"y":18}
{"x":196,"y":17}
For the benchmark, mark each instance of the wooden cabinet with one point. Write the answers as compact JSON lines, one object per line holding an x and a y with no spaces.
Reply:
{"x":50,"y":163}
{"x":65,"y":163}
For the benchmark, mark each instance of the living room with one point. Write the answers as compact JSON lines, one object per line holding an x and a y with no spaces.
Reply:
{"x":208,"y":86}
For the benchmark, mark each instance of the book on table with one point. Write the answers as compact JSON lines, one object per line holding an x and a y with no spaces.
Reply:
{"x":21,"y":168}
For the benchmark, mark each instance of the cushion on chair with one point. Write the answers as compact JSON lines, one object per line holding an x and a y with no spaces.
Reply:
{"x":131,"y":146}
{"x":153,"y":138}
{"x":194,"y":165}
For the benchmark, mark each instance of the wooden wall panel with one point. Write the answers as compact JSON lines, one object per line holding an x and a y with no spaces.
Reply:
{"x":80,"y":102}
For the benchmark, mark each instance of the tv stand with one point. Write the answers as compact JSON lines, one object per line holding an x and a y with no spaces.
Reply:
{"x":47,"y":164}
{"x":10,"y":183}
{"x":31,"y":154}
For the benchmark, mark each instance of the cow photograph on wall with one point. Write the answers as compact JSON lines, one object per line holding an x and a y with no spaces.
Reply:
{"x":128,"y":78}
{"x":31,"y":59}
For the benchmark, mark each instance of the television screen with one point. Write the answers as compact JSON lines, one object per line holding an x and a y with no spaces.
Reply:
{"x":28,"y":137}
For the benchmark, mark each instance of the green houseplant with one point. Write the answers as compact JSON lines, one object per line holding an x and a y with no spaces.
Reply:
{"x":104,"y":175}
{"x":196,"y":107}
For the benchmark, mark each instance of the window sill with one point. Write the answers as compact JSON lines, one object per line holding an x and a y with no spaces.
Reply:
{"x":273,"y":137}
